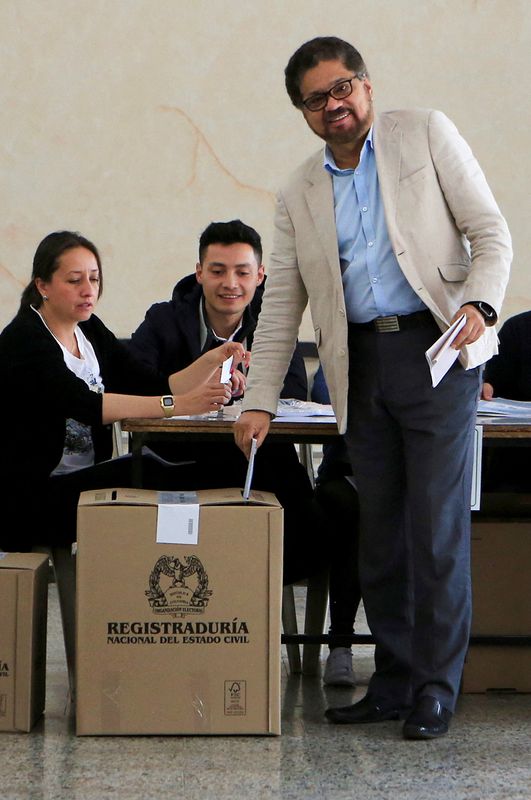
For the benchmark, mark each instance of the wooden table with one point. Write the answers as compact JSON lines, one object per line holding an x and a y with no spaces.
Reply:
{"x":201,"y":429}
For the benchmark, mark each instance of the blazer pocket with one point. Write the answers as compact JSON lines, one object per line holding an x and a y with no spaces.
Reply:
{"x":454,"y":272}
{"x":413,"y":177}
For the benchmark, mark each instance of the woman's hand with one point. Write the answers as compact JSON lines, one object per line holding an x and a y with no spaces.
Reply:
{"x":208,"y":397}
{"x":206,"y":368}
{"x":228,"y":349}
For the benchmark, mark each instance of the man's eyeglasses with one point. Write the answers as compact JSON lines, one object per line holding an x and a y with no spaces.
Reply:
{"x":316,"y":102}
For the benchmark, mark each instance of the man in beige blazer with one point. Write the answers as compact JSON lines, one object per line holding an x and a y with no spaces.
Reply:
{"x":391,"y":234}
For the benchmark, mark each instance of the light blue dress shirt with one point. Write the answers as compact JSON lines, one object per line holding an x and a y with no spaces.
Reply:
{"x":373,"y":282}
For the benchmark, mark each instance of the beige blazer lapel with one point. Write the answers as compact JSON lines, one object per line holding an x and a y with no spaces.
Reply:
{"x":388,"y":153}
{"x":319,"y":195}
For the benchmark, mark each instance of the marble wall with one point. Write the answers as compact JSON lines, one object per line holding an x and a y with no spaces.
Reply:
{"x":137,"y":122}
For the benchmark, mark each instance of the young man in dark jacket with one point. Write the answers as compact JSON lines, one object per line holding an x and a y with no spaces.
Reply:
{"x":222,"y":302}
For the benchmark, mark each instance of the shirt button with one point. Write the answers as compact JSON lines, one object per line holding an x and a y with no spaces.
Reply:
{"x":364,"y":208}
{"x":370,"y":244}
{"x":375,"y":280}
{"x":341,"y":351}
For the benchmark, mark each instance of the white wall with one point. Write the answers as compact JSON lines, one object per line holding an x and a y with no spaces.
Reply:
{"x":137,"y":122}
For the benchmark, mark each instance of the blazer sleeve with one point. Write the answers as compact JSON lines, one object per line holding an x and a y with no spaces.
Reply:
{"x":475,"y":212}
{"x":284,"y":302}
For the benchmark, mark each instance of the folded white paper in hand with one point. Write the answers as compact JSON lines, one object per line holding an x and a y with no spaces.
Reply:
{"x":226,"y":368}
{"x":250,"y":468}
{"x":441,"y":355}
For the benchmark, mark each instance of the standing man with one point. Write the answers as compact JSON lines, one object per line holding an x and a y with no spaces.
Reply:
{"x":391,"y":233}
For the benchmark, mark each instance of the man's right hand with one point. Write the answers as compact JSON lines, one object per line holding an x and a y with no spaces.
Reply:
{"x":251,"y":425}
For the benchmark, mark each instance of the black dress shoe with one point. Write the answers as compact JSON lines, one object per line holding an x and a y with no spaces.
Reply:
{"x":369,"y":709}
{"x":428,"y":720}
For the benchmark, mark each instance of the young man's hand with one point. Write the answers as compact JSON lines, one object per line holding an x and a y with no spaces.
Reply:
{"x":238,"y":383}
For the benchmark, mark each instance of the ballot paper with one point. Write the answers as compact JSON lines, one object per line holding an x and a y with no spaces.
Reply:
{"x":507,"y":409}
{"x":226,"y":370}
{"x":250,"y":468}
{"x":441,"y":355}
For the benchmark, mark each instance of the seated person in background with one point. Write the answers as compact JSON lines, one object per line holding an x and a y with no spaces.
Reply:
{"x":219,"y":303}
{"x":335,"y":492}
{"x":66,"y":378}
{"x":508,"y":374}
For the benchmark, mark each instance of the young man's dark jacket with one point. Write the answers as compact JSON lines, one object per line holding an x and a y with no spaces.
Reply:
{"x":169,"y":338}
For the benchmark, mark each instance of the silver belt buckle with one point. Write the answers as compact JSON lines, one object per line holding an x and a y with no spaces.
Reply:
{"x":387,"y":324}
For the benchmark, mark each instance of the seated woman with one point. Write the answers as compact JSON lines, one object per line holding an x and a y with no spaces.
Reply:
{"x":66,"y":379}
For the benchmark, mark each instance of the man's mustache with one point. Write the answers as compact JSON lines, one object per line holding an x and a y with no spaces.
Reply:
{"x":338,"y":112}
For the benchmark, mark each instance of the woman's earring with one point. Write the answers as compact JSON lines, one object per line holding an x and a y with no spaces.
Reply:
{"x":45,"y":297}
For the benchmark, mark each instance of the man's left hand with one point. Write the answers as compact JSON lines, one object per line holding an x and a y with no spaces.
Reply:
{"x":473,"y":328}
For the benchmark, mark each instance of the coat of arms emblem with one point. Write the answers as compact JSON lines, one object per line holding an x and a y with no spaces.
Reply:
{"x":178,"y":588}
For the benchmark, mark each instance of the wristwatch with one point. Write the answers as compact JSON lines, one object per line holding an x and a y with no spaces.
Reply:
{"x":486,"y":311}
{"x":167,"y":404}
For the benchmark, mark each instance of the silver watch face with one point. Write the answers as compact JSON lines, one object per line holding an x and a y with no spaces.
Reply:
{"x":167,"y":402}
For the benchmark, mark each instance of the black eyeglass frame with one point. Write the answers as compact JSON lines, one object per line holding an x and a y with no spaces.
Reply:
{"x":322,"y":97}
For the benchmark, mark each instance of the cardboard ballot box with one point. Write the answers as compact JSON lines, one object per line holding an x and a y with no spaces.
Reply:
{"x":501,"y":558}
{"x":497,"y":668}
{"x":178,"y":638}
{"x":23,"y":616}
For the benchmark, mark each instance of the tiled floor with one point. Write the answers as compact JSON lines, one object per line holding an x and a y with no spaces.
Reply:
{"x":486,"y":756}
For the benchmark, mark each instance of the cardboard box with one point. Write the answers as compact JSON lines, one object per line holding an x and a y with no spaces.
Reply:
{"x":23,"y":617}
{"x":497,"y":669}
{"x":501,"y":556}
{"x":501,"y":559}
{"x":178,"y":638}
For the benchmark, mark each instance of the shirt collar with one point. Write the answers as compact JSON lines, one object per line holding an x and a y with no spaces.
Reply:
{"x":329,"y":162}
{"x":205,"y":329}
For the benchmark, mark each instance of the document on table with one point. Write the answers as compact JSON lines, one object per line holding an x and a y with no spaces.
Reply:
{"x":441,"y":355}
{"x":290,"y":407}
{"x":501,"y":407}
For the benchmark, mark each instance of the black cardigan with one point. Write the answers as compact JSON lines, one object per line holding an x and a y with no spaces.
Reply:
{"x":39,"y":393}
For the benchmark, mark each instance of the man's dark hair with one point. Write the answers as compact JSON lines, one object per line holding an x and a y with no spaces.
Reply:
{"x":46,"y":262}
{"x":233,"y":232}
{"x":323,"y":48}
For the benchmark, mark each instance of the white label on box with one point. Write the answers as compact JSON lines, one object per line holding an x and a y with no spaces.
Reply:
{"x":178,"y":524}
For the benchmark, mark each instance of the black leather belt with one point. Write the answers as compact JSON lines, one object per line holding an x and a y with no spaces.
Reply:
{"x":394,"y":323}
